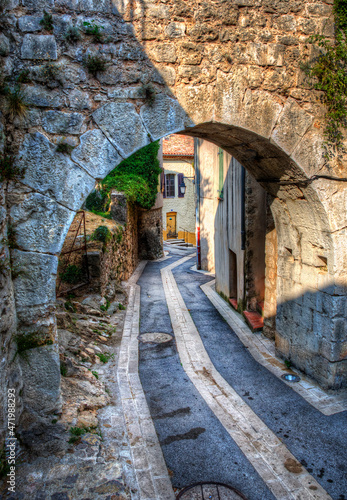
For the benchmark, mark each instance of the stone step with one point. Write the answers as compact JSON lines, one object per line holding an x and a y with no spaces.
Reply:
{"x":254,"y":320}
{"x":174,"y":242}
{"x":233,"y":303}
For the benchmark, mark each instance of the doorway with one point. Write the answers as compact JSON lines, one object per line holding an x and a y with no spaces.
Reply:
{"x":171,"y":224}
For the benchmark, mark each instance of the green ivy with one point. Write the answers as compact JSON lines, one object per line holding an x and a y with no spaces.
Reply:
{"x":137,"y":177}
{"x":329,"y":75}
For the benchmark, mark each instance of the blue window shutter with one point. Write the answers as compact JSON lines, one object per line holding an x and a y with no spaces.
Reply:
{"x":180,"y":180}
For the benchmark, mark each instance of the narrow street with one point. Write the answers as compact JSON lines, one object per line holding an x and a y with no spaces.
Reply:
{"x":270,"y":442}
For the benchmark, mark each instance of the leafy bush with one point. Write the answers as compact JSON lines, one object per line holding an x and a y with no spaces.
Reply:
{"x":47,"y":21}
{"x":93,"y":30}
{"x":72,"y":274}
{"x":95,"y":64}
{"x":73,"y":34}
{"x":102,"y":233}
{"x":104,"y":358}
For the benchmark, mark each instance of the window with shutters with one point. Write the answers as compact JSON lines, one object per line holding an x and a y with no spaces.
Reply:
{"x":170,"y":185}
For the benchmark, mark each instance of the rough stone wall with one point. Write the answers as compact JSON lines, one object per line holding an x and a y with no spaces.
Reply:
{"x":228,"y":72}
{"x":270,"y":303}
{"x":150,"y":234}
{"x":255,"y":221}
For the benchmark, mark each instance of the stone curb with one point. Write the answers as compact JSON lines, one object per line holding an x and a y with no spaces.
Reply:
{"x":147,"y":457}
{"x":263,"y":351}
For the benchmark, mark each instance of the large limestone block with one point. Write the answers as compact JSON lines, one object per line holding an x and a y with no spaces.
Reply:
{"x":4,"y":45}
{"x":163,"y":52}
{"x":57,"y":122}
{"x":41,"y":379}
{"x":96,"y":154}
{"x":197,"y":101}
{"x":30,"y":23}
{"x":256,"y":110}
{"x":309,"y":152}
{"x":39,"y":47}
{"x":35,"y":278}
{"x":123,"y":127}
{"x":40,"y":223}
{"x":53,"y":174}
{"x":97,"y":6}
{"x":164,"y":116}
{"x":41,"y":97}
{"x":291,"y":126}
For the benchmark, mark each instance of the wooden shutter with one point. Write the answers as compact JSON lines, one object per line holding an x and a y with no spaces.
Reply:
{"x":180,"y":180}
{"x":163,"y":183}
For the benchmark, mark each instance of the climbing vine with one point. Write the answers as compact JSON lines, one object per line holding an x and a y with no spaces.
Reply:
{"x":329,"y":75}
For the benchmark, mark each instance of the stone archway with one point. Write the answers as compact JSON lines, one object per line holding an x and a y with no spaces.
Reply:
{"x":252,"y":104}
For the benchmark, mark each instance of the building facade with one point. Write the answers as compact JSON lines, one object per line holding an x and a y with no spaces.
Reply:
{"x":178,"y":187}
{"x":237,"y":235}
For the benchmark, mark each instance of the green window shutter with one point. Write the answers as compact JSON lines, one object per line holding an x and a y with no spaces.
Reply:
{"x":221,"y":172}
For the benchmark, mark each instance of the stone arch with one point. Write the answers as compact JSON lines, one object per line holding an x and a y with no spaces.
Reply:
{"x":252,"y":104}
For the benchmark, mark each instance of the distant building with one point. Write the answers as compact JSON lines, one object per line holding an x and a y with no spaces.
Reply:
{"x":237,"y":234}
{"x":178,"y":188}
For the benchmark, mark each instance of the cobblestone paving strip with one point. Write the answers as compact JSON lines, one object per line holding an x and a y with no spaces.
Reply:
{"x":263,"y":351}
{"x":149,"y":464}
{"x":283,"y":474}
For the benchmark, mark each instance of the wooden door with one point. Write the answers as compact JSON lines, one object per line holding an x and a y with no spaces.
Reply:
{"x":171,"y":224}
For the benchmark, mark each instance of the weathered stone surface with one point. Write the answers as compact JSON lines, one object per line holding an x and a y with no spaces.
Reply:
{"x":4,"y":45}
{"x":29,"y":23}
{"x":39,"y":96}
{"x":164,"y":74}
{"x":97,"y":6}
{"x":79,"y":100}
{"x":309,"y":153}
{"x":39,"y":47}
{"x":38,"y":4}
{"x":35,"y":281}
{"x":123,"y":126}
{"x":164,"y":116}
{"x":291,"y":126}
{"x":40,"y":223}
{"x":96,"y":154}
{"x":41,"y":379}
{"x":52,"y":173}
{"x":163,"y":52}
{"x":175,"y":30}
{"x":57,"y":122}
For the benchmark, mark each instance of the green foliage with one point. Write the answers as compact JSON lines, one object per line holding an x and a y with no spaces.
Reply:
{"x":16,"y":106}
{"x":137,"y":177}
{"x":72,"y":274}
{"x":76,"y":433}
{"x":119,"y":235}
{"x":102,"y":233}
{"x":47,"y":21}
{"x":73,"y":34}
{"x":63,"y":370}
{"x":96,"y":375}
{"x":328,"y":73}
{"x":95,"y":64}
{"x":93,"y":30}
{"x":104,"y":357}
{"x":287,"y":363}
{"x":121,"y":307}
{"x":9,"y":171}
{"x":65,"y":148}
{"x":69,"y":306}
{"x":23,"y":76}
{"x":104,"y":308}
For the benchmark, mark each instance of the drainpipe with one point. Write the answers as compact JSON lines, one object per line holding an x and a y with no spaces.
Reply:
{"x":243,"y":209}
{"x":197,"y":210}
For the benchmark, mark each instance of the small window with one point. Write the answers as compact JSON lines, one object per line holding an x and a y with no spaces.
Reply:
{"x":170,"y":185}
